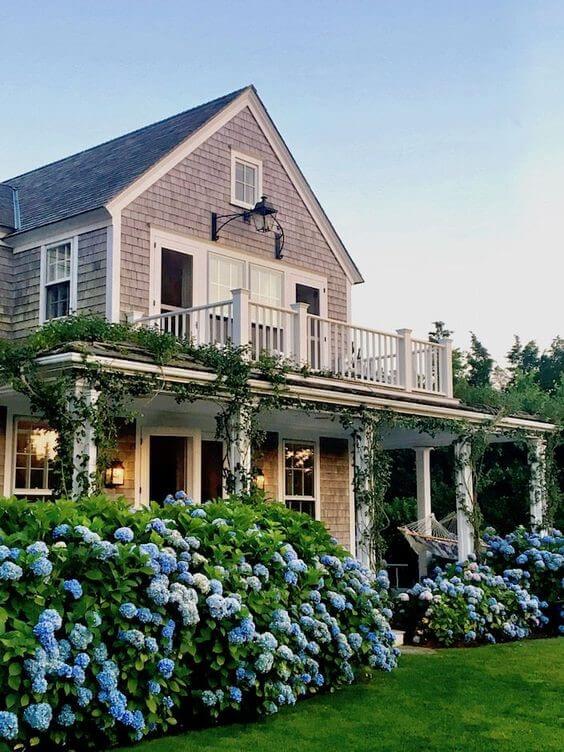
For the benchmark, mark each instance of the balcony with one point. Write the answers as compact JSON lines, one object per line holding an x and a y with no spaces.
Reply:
{"x":397,"y":361}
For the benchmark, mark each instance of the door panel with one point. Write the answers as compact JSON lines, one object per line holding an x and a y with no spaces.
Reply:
{"x":167,"y":466}
{"x":212,"y":470}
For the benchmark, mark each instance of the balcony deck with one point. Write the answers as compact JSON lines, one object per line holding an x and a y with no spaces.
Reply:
{"x":393,"y":360}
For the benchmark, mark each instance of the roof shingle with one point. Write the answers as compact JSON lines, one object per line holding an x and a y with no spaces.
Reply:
{"x":89,"y":179}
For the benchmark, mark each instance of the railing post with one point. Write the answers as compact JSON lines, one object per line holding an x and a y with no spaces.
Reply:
{"x":446,"y":367}
{"x":241,"y":324}
{"x":301,"y":348}
{"x":405,"y":359}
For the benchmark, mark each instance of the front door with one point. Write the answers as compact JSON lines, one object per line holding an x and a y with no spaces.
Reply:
{"x":168,"y":466}
{"x":212,"y":470}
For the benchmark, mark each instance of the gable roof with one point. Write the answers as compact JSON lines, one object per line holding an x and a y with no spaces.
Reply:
{"x":89,"y":179}
{"x":109,"y":174}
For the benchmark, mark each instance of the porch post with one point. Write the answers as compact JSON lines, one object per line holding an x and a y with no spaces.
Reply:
{"x":405,"y":359}
{"x":241,"y":324}
{"x":537,"y":481}
{"x":85,"y":453}
{"x":362,"y":450}
{"x":301,"y":353}
{"x":464,"y":498}
{"x":237,"y":468}
{"x":423,"y":474}
{"x":445,"y":370}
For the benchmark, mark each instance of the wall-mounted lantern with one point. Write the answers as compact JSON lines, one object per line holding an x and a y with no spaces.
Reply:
{"x":264,"y":219}
{"x":114,"y":475}
{"x":258,"y":479}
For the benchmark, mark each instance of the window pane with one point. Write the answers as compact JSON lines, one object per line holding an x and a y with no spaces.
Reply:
{"x":58,"y":262}
{"x":266,"y":286}
{"x":225,"y":275}
{"x":36,"y":444}
{"x":240,"y":172}
{"x":240,"y":191}
{"x":299,"y":469}
{"x":58,"y":300}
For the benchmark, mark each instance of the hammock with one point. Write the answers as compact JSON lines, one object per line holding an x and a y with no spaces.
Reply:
{"x":430,"y":535}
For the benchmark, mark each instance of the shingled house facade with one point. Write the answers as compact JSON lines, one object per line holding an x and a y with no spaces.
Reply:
{"x":125,"y":230}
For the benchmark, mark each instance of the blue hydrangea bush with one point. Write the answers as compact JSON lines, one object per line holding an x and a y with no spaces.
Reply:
{"x":541,"y":559}
{"x":116,"y":625}
{"x":467,"y":604}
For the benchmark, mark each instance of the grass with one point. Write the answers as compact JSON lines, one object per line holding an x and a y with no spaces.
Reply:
{"x":494,"y":698}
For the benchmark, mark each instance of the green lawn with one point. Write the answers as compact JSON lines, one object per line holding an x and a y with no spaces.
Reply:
{"x":500,"y":697}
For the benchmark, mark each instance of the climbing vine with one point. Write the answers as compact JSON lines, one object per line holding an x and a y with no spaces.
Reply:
{"x":90,"y":396}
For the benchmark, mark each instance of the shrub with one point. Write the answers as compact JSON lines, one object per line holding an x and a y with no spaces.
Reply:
{"x":541,"y":557}
{"x":469,"y":604}
{"x":115,"y":625}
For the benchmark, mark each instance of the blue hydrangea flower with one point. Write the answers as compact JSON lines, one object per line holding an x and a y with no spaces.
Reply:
{"x":8,"y":725}
{"x":38,"y":716}
{"x":124,"y":534}
{"x":66,"y":717}
{"x":41,"y":567}
{"x":61,"y":531}
{"x":165,"y":667}
{"x":235,"y":694}
{"x":83,"y":696}
{"x":128,"y":610}
{"x":10,"y":571}
{"x":153,"y":687}
{"x":80,"y":637}
{"x":74,"y":588}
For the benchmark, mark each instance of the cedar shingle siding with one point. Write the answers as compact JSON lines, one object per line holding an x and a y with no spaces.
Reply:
{"x":91,"y":284}
{"x":182,"y":200}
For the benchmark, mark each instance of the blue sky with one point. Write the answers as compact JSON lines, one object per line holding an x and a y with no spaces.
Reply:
{"x":432,"y":132}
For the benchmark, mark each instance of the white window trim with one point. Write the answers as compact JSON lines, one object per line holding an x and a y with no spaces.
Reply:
{"x":73,"y":276}
{"x":237,"y":156}
{"x":13,"y":460}
{"x":316,"y":469}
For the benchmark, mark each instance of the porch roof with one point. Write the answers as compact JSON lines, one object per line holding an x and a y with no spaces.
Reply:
{"x":321,"y":390}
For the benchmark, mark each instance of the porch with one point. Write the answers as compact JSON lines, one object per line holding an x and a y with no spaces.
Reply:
{"x":396,"y":361}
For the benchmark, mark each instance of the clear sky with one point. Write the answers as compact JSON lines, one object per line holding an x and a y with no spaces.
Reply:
{"x":432,"y":132}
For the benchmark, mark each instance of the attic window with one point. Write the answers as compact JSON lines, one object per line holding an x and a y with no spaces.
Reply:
{"x":246,"y":180}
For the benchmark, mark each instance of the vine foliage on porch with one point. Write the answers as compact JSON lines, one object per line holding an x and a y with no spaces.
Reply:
{"x":107,"y":398}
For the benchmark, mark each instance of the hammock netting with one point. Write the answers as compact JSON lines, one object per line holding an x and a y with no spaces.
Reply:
{"x":437,"y":537}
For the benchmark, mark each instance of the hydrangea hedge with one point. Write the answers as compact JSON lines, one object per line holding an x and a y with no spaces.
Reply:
{"x":115,"y":625}
{"x":541,"y":557}
{"x":516,"y":594}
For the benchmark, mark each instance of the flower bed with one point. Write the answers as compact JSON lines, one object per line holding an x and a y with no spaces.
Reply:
{"x":115,"y":625}
{"x":470,"y":604}
{"x":541,"y":559}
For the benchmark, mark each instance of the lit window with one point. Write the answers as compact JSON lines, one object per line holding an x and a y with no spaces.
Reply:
{"x":299,"y":476}
{"x":246,"y":180}
{"x":58,"y":273}
{"x":266,"y":286}
{"x":226,"y":274}
{"x":35,"y":450}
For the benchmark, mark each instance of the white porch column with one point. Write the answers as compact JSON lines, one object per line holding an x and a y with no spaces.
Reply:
{"x":85,"y":452}
{"x":537,"y":481}
{"x":362,"y":452}
{"x":423,"y":474}
{"x":241,"y":323}
{"x":301,"y":345}
{"x":237,"y":469}
{"x":464,"y":498}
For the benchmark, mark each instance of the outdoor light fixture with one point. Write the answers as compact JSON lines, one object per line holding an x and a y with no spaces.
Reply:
{"x":114,"y":475}
{"x":258,"y":479}
{"x":264,"y":219}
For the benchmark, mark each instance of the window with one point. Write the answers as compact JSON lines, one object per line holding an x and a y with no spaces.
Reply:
{"x":226,"y":274}
{"x":299,"y":476}
{"x":266,"y":286}
{"x":34,"y":453}
{"x":58,"y":280}
{"x":246,"y":180}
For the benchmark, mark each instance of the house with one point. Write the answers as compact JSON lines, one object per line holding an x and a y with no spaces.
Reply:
{"x":159,"y":227}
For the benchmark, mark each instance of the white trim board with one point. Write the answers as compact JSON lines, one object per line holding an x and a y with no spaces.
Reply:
{"x":247,"y":99}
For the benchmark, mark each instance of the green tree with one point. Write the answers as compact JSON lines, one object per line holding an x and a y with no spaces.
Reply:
{"x":480,"y":363}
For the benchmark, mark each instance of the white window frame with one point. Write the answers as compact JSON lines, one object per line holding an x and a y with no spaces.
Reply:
{"x":72,"y":279}
{"x":14,"y":459}
{"x":314,"y":442}
{"x":237,"y":156}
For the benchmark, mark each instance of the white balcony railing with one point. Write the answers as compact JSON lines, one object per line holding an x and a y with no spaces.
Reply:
{"x":396,"y":360}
